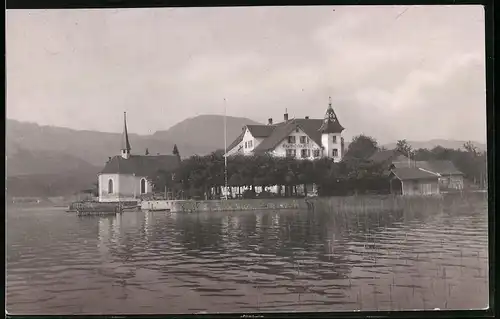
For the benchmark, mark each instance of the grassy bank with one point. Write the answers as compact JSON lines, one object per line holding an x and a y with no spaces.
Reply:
{"x":373,"y":203}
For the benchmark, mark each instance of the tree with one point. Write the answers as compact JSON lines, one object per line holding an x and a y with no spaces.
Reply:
{"x":175,"y":151}
{"x":404,"y":148}
{"x":471,"y":148}
{"x":361,"y":146}
{"x":147,"y":151}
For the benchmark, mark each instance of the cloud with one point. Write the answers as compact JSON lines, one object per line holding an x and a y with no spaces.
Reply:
{"x":388,"y":69}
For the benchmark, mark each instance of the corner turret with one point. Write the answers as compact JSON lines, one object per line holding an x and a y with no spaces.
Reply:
{"x":331,"y":135}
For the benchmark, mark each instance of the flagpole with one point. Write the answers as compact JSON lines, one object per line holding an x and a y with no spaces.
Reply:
{"x":225,"y":149}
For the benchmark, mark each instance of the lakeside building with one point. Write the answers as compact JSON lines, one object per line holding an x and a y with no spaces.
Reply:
{"x":301,"y":138}
{"x":126,"y":177}
{"x":449,"y":177}
{"x":413,"y":181}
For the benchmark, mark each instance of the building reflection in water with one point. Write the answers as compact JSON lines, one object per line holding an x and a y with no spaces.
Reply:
{"x":225,"y":229}
{"x":105,"y":229}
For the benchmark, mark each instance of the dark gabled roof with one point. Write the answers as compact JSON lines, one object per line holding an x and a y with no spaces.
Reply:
{"x":388,"y":156}
{"x":236,"y":141}
{"x":283,"y":129}
{"x":404,"y":163}
{"x":382,"y":156}
{"x":259,"y":131}
{"x":412,"y":173}
{"x":441,"y":167}
{"x":141,"y":165}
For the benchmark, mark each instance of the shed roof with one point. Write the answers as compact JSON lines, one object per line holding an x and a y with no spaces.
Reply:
{"x":412,"y":173}
{"x":141,"y":165}
{"x":442,"y":167}
{"x":387,"y":155}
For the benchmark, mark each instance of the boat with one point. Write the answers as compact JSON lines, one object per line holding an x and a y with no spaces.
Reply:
{"x":99,"y":208}
{"x":98,"y":211}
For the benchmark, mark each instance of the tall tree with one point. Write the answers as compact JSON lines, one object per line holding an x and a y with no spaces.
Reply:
{"x":175,"y":151}
{"x":404,"y":148}
{"x":471,"y":148}
{"x":361,"y":147}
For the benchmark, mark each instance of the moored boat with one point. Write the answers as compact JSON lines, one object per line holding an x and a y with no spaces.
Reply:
{"x":91,"y":206}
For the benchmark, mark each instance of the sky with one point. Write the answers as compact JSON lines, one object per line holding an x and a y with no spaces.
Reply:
{"x":393,"y":72}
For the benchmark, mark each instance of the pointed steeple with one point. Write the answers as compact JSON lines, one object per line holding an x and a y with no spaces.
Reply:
{"x":125,"y":142}
{"x":330,"y":123}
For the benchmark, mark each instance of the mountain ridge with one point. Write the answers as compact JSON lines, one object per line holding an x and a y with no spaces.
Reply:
{"x":64,"y":153}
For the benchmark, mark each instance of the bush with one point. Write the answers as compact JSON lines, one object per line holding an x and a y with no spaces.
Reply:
{"x":249,"y":193}
{"x":266,"y":194}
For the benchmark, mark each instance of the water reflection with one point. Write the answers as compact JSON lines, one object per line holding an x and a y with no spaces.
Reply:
{"x":144,"y":262}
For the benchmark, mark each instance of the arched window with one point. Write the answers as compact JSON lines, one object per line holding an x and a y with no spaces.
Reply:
{"x":110,"y":186}
{"x":143,"y":186}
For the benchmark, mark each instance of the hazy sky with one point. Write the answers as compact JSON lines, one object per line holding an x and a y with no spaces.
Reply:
{"x":393,"y":72}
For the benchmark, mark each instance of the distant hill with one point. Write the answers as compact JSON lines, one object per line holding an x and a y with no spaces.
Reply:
{"x":48,"y":160}
{"x":41,"y":160}
{"x":453,"y":144}
{"x":199,"y":135}
{"x":22,"y":162}
{"x":205,"y":132}
{"x":48,"y":185}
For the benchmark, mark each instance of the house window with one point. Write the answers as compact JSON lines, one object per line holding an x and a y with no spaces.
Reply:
{"x":335,"y":152}
{"x":303,"y":139}
{"x":297,"y":130}
{"x":291,"y":153}
{"x":316,"y":153}
{"x":250,"y":143}
{"x":143,"y":186}
{"x":334,"y":139}
{"x":291,"y":140}
{"x":305,"y":153}
{"x":110,"y":186}
{"x":246,"y":144}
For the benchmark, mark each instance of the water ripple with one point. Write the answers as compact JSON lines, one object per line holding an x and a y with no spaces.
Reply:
{"x":247,"y":261}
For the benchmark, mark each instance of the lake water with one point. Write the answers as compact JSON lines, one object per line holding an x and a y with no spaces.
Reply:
{"x":58,"y":263}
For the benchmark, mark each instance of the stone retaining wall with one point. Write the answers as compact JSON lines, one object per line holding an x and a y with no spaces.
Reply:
{"x":226,"y":205}
{"x":333,"y":204}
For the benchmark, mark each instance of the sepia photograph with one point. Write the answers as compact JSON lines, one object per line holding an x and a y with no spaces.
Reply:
{"x":260,"y":159}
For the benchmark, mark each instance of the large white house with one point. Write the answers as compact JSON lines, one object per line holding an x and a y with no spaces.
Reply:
{"x":301,"y":138}
{"x":125,"y":177}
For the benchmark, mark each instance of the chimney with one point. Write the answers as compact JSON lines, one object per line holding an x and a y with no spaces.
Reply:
{"x":270,"y":121}
{"x":307,"y":117}
{"x":285,"y":116}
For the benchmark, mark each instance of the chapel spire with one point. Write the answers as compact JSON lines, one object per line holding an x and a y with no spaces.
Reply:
{"x":330,"y":123}
{"x":125,"y":142}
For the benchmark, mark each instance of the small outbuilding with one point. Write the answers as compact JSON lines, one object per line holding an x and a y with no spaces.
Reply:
{"x":449,"y":176}
{"x":413,"y":181}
